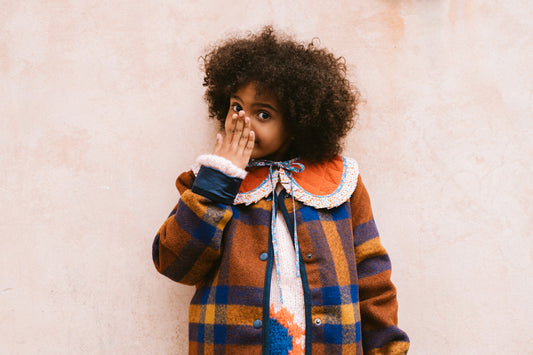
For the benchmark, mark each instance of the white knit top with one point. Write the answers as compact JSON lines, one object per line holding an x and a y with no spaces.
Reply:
{"x":290,"y":314}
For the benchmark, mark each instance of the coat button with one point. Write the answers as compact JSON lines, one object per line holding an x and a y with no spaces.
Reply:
{"x":309,"y":256}
{"x":263,"y":256}
{"x":258,"y":324}
{"x":318,"y":321}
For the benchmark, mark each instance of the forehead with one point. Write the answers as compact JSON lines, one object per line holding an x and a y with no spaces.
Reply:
{"x":256,"y":91}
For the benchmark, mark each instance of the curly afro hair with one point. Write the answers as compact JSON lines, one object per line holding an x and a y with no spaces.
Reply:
{"x":317,"y":101}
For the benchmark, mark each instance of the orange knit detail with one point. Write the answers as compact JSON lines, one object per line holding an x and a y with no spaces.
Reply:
{"x":286,"y":318}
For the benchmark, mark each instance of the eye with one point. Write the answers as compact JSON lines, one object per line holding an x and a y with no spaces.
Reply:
{"x":264,"y":115}
{"x":236,"y":107}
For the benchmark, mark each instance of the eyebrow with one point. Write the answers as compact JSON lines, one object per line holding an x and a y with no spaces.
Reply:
{"x":257,"y":104}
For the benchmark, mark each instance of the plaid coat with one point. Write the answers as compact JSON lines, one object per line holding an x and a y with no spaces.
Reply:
{"x":225,"y":250}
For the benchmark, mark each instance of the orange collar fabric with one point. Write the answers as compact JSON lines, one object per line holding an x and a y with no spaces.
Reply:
{"x":322,"y":185}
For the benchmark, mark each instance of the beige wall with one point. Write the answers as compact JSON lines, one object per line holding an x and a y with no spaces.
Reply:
{"x":101,"y":107}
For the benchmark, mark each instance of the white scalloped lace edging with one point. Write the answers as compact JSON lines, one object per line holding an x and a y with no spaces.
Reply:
{"x":342,"y":194}
{"x":263,"y":190}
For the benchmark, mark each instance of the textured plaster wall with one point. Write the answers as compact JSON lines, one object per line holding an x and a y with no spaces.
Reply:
{"x":101,"y":107}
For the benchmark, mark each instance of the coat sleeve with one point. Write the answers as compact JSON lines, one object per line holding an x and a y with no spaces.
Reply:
{"x":187,"y":246}
{"x":377,"y":294}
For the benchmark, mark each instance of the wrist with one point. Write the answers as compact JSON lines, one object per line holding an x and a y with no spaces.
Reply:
{"x":216,"y":185}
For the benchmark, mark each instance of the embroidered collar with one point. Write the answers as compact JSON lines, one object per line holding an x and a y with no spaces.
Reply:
{"x":323,"y":185}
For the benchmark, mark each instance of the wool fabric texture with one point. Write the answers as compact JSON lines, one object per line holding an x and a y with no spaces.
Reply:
{"x":350,"y":302}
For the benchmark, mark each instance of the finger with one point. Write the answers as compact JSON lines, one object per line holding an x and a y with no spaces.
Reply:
{"x":250,"y":145}
{"x":245,"y":133}
{"x":237,"y":132}
{"x":218,"y":143}
{"x":231,"y":127}
{"x":239,"y":126}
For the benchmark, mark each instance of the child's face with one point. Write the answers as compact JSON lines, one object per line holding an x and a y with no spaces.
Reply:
{"x":271,"y":137}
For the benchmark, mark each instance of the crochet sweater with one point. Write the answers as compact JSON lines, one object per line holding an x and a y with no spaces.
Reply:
{"x":219,"y":238}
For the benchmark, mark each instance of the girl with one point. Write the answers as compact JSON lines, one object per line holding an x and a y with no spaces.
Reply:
{"x":274,"y":228}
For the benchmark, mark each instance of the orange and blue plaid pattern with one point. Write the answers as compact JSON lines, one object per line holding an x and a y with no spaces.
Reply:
{"x":350,"y":301}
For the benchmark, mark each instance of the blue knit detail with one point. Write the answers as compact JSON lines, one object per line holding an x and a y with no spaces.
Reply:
{"x":280,"y":340}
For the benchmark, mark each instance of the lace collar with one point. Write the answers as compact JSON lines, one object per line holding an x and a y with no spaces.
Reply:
{"x":323,"y":185}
